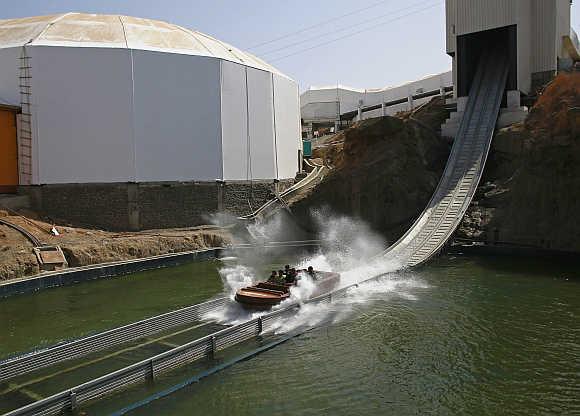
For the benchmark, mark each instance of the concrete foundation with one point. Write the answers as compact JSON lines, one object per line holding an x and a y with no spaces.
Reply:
{"x":140,"y":206}
{"x":513,"y":113}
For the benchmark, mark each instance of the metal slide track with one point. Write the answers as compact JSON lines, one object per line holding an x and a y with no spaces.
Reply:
{"x":464,"y":167}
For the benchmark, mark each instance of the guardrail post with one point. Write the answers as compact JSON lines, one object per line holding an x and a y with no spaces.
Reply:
{"x":260,"y":325}
{"x":151,"y":371}
{"x":73,"y":400}
{"x":213,"y":347}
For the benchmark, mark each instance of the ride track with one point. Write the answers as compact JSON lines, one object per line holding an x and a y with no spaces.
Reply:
{"x":424,"y":239}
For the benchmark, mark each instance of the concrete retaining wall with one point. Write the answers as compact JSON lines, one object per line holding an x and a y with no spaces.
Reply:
{"x":140,"y":206}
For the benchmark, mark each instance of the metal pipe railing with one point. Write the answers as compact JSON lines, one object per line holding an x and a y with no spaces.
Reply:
{"x":128,"y":333}
{"x":147,"y":370}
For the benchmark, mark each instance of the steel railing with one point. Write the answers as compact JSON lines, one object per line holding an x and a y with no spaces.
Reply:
{"x":316,"y":173}
{"x":147,"y":370}
{"x":36,"y":360}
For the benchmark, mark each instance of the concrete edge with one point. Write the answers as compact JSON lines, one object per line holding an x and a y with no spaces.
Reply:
{"x":103,"y":270}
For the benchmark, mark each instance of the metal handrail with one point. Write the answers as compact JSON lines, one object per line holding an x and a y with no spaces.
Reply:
{"x":36,"y":360}
{"x":146,"y":370}
{"x":313,"y":175}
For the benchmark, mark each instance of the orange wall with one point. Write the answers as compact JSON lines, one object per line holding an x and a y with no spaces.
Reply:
{"x":8,"y":152}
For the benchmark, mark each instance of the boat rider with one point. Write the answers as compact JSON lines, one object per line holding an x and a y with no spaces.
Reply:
{"x":311,"y":272}
{"x":291,"y":276}
{"x":273,"y":277}
{"x":287,"y":269}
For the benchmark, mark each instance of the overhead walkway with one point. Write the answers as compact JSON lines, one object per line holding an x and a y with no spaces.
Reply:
{"x":464,"y":167}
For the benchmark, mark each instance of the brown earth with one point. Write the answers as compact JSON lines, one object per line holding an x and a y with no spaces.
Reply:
{"x":384,"y":170}
{"x":530,"y":192}
{"x":84,"y":247}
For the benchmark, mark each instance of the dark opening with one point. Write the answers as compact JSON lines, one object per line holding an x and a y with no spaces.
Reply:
{"x":471,"y":46}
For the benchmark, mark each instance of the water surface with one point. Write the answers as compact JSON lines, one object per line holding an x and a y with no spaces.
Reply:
{"x":48,"y":316}
{"x":481,"y":336}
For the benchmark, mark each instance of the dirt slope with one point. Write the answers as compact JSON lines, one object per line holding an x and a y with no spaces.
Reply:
{"x":530,"y":192}
{"x":83,"y":247}
{"x":385,"y":170}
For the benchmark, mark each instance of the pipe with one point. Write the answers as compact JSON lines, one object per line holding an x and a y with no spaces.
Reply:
{"x":35,"y":241}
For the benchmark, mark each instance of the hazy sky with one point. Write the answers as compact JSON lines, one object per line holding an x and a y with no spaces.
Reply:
{"x":404,"y":40}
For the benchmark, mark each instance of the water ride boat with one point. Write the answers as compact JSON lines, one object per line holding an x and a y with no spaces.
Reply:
{"x":264,"y":295}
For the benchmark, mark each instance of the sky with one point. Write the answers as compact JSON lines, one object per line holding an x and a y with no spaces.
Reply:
{"x":362,"y":44}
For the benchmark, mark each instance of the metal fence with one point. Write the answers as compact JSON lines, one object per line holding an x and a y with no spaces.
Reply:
{"x":147,"y":370}
{"x":316,"y":173}
{"x":75,"y":349}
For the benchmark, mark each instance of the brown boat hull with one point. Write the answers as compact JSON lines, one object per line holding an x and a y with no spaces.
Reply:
{"x":265,"y":295}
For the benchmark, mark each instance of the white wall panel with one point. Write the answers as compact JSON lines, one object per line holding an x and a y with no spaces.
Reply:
{"x":177,"y":117}
{"x":543,"y":57}
{"x":477,"y":15}
{"x":320,"y":111}
{"x":9,"y":72}
{"x":235,"y":146}
{"x":82,"y":101}
{"x":287,"y":120}
{"x":450,"y":26}
{"x":317,"y":95}
{"x":261,"y":117}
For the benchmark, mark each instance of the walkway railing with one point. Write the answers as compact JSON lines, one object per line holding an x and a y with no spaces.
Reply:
{"x":316,"y":174}
{"x":146,"y":370}
{"x":75,"y":349}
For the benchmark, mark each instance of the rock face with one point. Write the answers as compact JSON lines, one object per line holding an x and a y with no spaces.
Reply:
{"x":530,"y":192}
{"x":385,"y":170}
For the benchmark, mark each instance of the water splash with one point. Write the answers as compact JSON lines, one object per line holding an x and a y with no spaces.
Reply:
{"x":348,"y":248}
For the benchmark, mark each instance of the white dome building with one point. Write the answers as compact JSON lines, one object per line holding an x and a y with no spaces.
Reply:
{"x":123,"y":99}
{"x":116,"y":99}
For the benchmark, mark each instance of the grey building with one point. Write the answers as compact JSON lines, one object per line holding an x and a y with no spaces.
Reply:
{"x":536,"y":34}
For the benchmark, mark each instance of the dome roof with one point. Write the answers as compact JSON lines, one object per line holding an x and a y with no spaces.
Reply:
{"x":115,"y":31}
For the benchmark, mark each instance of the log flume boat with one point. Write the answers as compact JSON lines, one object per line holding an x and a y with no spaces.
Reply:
{"x":264,"y":295}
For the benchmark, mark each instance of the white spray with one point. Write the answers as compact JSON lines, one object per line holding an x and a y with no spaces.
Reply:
{"x":348,"y":247}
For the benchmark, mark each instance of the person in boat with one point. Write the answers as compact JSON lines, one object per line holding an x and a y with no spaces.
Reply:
{"x":287,"y":269}
{"x":273,"y":277}
{"x":281,"y":277}
{"x":311,"y":272}
{"x":291,"y":276}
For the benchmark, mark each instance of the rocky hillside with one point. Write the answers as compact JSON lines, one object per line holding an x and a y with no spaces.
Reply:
{"x":530,"y":192}
{"x":385,"y":170}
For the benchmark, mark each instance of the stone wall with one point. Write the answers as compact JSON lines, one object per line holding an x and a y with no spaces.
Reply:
{"x":100,"y":205}
{"x":176,"y":204}
{"x":241,"y":198}
{"x":139,"y":206}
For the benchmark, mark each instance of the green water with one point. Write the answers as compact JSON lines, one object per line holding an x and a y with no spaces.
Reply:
{"x":46,"y":317}
{"x":464,"y":335}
